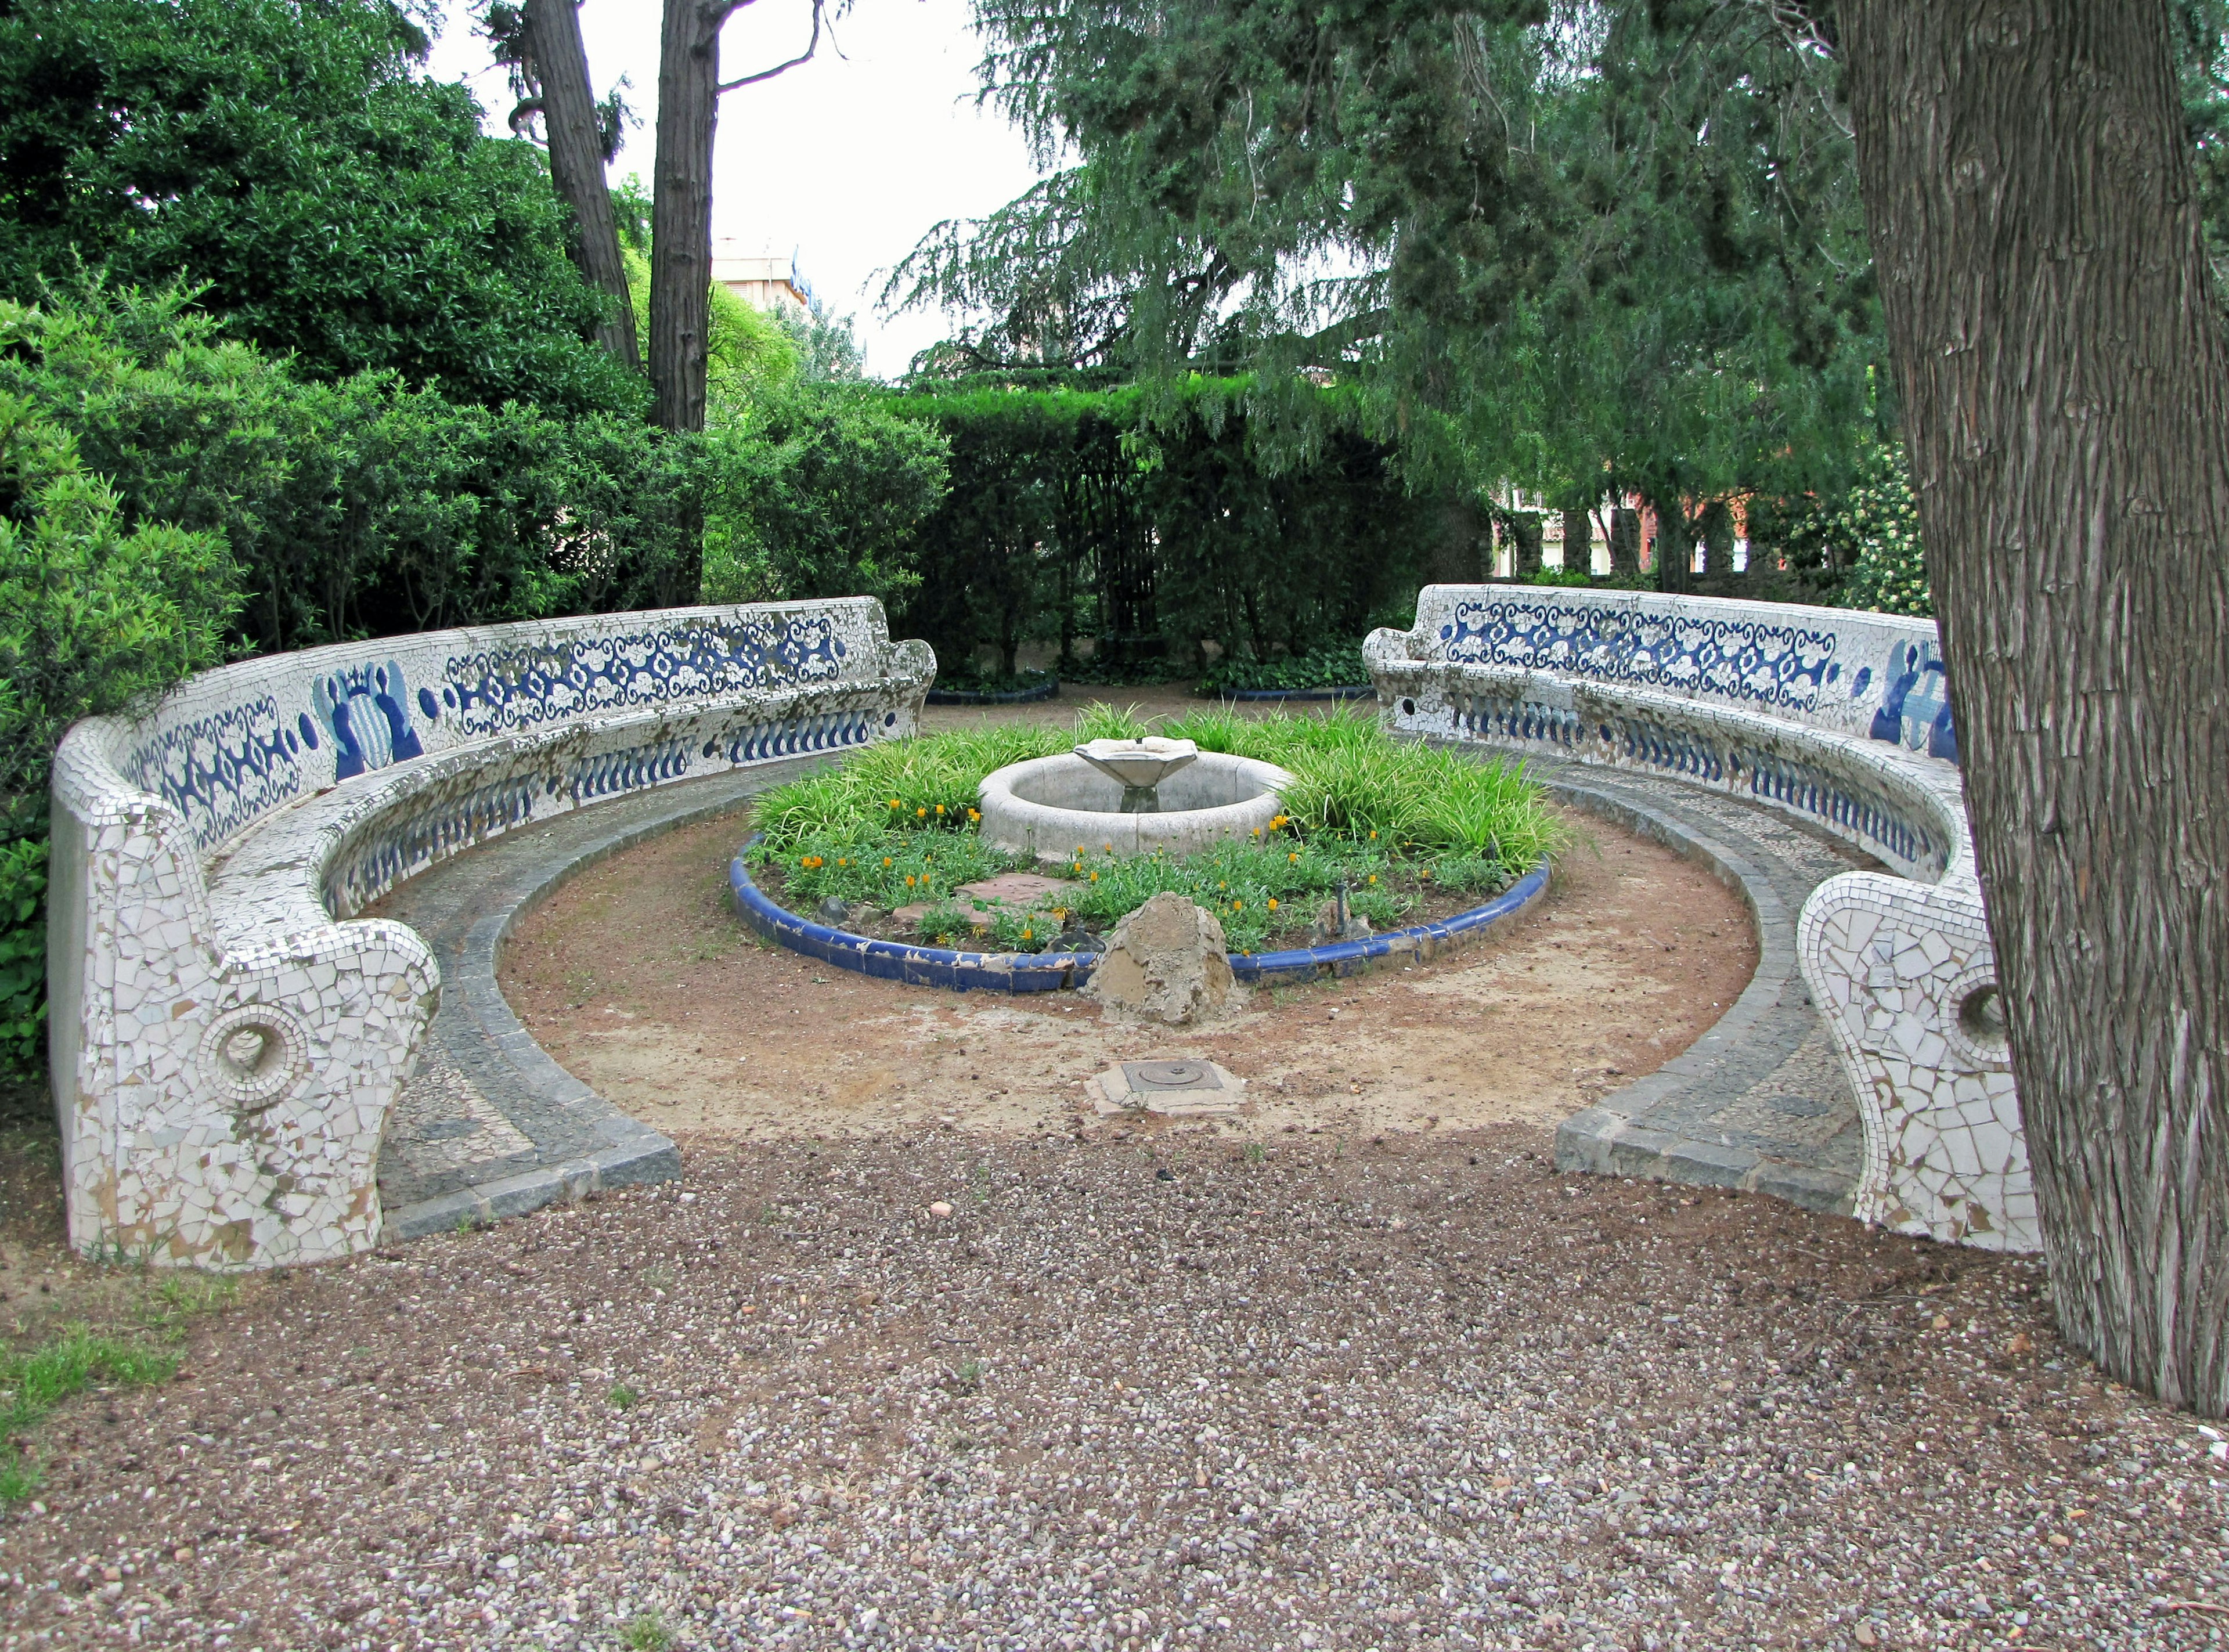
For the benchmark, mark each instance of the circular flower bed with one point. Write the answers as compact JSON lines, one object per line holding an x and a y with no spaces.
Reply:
{"x":1413,"y":834}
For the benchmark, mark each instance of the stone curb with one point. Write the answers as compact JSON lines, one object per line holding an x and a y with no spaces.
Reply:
{"x":1363,"y":693}
{"x":492,"y":1034}
{"x":1606,"y":1138}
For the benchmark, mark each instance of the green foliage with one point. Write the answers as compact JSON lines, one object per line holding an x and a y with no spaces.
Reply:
{"x":361,"y":506}
{"x":1353,"y":781}
{"x":337,"y":204}
{"x":1155,"y":519}
{"x":818,"y":492}
{"x":23,"y":956}
{"x":924,"y":785}
{"x":33,"y":1383}
{"x":1340,"y":667}
{"x":1596,"y":247}
{"x":1880,"y":520}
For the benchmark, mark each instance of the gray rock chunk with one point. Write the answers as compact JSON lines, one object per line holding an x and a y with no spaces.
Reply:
{"x":1167,"y":963}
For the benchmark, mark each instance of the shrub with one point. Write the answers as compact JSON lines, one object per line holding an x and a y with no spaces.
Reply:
{"x":1327,"y":668}
{"x":93,"y":618}
{"x":295,"y":163}
{"x":359,"y":507}
{"x":818,"y":492}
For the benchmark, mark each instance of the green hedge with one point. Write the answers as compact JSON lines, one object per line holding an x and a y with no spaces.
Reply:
{"x":1154,"y":521}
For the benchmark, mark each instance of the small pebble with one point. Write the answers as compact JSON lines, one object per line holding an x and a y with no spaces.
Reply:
{"x":940,"y":1210}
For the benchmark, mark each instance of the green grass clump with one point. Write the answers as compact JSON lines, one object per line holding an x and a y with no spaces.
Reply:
{"x":32,"y":1384}
{"x":1356,"y":782}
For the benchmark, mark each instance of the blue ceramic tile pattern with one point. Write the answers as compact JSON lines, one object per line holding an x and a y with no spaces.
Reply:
{"x":222,"y":770}
{"x":365,"y":711}
{"x":1773,"y":775}
{"x":505,"y":689}
{"x":1755,"y":660}
{"x":1761,"y":660}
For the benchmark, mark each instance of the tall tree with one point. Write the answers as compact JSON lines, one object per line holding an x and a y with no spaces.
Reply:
{"x":2036,"y":225}
{"x":689,"y":91}
{"x":541,"y":41}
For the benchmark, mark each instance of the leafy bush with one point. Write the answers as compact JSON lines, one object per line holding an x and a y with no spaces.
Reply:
{"x":1858,"y":548}
{"x":1880,"y":520}
{"x":23,"y":956}
{"x":335,"y":203}
{"x":818,"y":492}
{"x":93,"y":618}
{"x":1340,"y":667}
{"x":359,"y":507}
{"x":1155,"y":521}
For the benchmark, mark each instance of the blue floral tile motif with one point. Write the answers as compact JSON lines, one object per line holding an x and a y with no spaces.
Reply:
{"x":366,"y":710}
{"x":1780,"y":666}
{"x":1915,"y":707}
{"x":222,"y":770}
{"x":518,"y":688}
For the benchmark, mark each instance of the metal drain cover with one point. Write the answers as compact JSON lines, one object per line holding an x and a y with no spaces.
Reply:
{"x":1169,"y":1087}
{"x":1172,"y":1075}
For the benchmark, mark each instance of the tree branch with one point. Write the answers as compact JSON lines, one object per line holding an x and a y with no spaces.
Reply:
{"x":810,"y":47}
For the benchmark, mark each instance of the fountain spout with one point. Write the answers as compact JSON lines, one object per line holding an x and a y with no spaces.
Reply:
{"x":1139,"y":767}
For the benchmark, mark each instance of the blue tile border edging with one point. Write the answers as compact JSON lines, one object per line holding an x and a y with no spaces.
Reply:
{"x":1363,"y":693}
{"x":1048,"y":690}
{"x":1052,"y":972}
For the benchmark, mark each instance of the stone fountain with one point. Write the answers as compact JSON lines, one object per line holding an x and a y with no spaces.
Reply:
{"x":1128,"y":797}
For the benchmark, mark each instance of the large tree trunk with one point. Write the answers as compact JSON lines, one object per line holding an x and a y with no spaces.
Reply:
{"x":681,"y":209}
{"x":2066,"y":404}
{"x":560,"y":63}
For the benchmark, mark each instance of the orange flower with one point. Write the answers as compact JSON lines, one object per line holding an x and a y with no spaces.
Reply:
{"x":1238,"y":906}
{"x":1273,"y":903}
{"x":921,"y":814}
{"x":886,"y":864}
{"x":940,"y":808}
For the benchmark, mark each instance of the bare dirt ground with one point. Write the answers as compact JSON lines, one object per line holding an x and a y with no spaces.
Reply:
{"x":1343,"y":1378}
{"x":640,"y":978}
{"x":933,"y":1390}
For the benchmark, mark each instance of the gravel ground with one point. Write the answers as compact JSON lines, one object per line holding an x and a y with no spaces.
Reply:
{"x":1132,"y":1390}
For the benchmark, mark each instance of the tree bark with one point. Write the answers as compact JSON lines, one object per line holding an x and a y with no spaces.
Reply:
{"x":1578,"y":542}
{"x":681,"y":209}
{"x":2036,"y":232}
{"x":1525,"y":537}
{"x":559,"y":67}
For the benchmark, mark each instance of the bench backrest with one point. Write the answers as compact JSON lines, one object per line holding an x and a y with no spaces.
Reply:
{"x":230,"y":745}
{"x":1873,"y":675}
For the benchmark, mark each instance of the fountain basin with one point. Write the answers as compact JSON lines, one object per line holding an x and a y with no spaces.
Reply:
{"x":1049,"y":806}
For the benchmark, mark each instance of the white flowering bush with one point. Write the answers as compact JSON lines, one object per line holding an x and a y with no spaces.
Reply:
{"x":1878,"y":530}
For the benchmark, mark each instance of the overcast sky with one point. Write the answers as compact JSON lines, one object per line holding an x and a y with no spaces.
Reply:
{"x":846,"y":161}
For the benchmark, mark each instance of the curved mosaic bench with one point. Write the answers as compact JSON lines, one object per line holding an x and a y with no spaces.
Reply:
{"x":227,"y":1038}
{"x":1840,"y":717}
{"x":1053,"y":971}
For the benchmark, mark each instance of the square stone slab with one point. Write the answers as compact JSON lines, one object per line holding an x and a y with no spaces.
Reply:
{"x":1177,"y":1087}
{"x":1012,"y":889}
